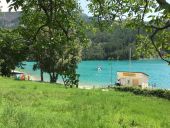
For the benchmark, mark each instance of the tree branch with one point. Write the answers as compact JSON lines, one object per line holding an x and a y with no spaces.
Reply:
{"x":157,"y":29}
{"x":164,"y":4}
{"x":145,"y":8}
{"x":42,"y":26}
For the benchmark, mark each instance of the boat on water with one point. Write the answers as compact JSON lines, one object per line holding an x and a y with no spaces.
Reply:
{"x":99,"y":68}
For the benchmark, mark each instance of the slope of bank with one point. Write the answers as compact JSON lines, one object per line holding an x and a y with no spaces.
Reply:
{"x":33,"y":104}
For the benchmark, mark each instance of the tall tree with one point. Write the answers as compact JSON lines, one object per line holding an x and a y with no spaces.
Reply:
{"x":12,"y":51}
{"x":55,"y":34}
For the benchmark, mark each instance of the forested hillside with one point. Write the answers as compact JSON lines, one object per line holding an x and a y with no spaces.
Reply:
{"x":105,"y":45}
{"x":113,"y":45}
{"x":9,"y":19}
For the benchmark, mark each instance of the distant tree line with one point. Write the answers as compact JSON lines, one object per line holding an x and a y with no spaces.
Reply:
{"x":111,"y":45}
{"x":9,"y":19}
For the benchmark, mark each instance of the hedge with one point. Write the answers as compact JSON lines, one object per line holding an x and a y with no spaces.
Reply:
{"x":146,"y":92}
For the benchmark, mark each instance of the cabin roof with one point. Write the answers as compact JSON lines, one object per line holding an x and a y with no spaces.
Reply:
{"x":135,"y":72}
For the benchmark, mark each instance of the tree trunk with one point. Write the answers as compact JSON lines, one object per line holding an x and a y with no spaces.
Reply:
{"x":42,"y":78}
{"x":77,"y":86}
{"x":53,"y":77}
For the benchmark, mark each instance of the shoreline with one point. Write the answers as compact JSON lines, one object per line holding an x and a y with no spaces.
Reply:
{"x":81,"y":85}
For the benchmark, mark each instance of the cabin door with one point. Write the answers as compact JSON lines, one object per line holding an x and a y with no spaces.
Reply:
{"x":135,"y":82}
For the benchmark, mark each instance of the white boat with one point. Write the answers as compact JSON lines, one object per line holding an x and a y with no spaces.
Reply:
{"x":99,"y":68}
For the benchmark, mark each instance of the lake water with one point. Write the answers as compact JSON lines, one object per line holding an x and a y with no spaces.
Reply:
{"x":158,"y":71}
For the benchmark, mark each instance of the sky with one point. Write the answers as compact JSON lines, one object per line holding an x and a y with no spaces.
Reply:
{"x":83,"y":3}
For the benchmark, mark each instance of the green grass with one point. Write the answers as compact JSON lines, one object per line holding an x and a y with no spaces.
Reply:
{"x":42,"y":105}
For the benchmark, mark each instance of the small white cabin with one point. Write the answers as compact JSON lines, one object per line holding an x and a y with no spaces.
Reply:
{"x":133,"y":79}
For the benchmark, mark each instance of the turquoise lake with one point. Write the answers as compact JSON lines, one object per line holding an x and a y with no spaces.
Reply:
{"x":158,"y":71}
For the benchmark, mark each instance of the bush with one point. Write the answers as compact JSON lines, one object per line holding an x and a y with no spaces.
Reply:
{"x":146,"y":92}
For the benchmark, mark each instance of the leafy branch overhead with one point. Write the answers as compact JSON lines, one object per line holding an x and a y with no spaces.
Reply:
{"x":153,"y":16}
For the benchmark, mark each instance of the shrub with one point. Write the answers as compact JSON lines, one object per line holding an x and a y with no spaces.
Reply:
{"x":146,"y":92}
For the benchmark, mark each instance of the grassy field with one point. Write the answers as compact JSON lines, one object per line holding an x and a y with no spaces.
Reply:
{"x":42,"y":105}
